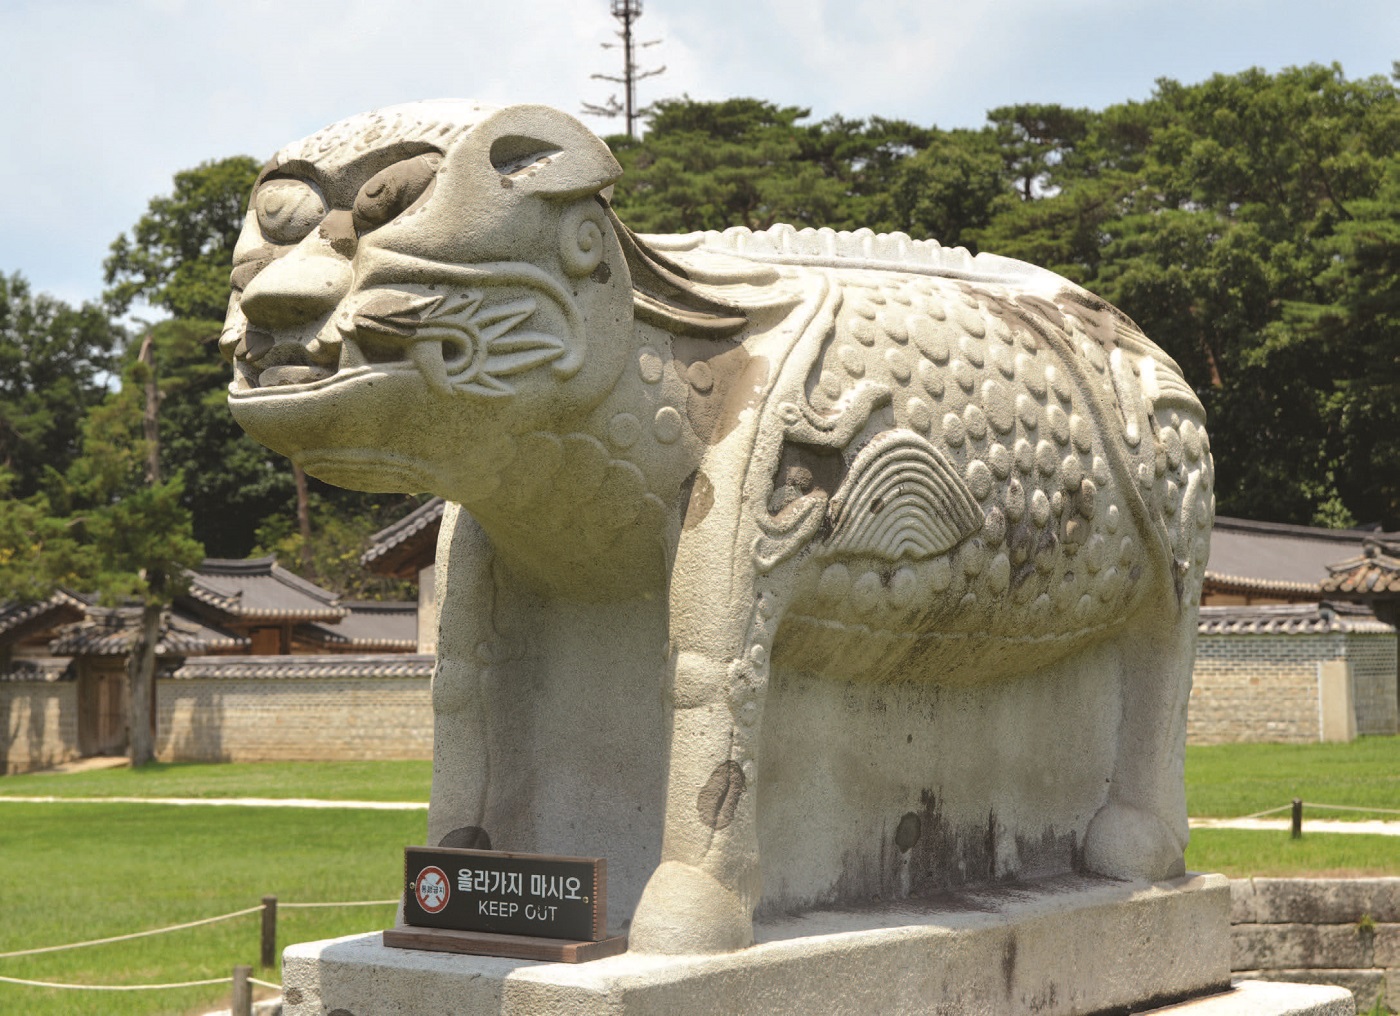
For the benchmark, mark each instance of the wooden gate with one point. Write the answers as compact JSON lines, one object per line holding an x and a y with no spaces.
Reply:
{"x":102,"y":707}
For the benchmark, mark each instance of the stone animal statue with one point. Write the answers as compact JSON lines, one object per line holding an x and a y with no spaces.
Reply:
{"x":786,"y":569}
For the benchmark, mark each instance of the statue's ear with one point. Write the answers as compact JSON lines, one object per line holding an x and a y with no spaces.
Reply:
{"x":664,"y":295}
{"x":539,"y":150}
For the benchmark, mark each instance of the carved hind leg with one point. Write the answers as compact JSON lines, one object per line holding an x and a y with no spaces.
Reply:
{"x":1141,"y":831}
{"x":701,"y":897}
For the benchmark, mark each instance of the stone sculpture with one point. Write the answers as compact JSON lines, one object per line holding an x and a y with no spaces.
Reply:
{"x":792,"y":568}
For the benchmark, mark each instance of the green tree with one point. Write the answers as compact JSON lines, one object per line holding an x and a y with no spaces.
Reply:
{"x":746,"y":162}
{"x":1036,"y":140}
{"x":177,"y":258}
{"x":1358,"y":330}
{"x":231,"y":483}
{"x":950,"y":189}
{"x":1226,"y":217}
{"x":715,"y":165}
{"x":53,"y":364}
{"x":114,"y":527}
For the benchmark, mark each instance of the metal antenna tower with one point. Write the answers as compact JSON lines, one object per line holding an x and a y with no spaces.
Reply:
{"x":625,"y":11}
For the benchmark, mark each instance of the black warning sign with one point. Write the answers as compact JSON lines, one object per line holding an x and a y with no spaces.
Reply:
{"x":506,"y":893}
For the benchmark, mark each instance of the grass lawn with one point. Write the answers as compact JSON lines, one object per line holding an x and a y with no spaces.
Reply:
{"x":70,"y":872}
{"x":364,"y":781}
{"x":1242,"y":853}
{"x":1233,"y":780}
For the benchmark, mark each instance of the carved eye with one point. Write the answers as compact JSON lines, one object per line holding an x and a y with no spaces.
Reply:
{"x":288,"y":209}
{"x":391,"y":190}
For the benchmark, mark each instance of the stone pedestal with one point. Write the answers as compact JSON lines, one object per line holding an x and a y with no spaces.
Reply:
{"x":1066,"y":945}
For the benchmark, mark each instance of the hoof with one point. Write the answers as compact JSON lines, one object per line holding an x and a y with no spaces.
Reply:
{"x":1126,"y":842}
{"x":685,"y":910}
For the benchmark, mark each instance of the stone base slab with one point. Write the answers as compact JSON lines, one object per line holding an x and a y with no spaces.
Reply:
{"x":1265,"y":998}
{"x":1067,"y":945}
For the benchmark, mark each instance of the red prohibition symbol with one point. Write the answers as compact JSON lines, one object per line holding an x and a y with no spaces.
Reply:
{"x":431,"y":889}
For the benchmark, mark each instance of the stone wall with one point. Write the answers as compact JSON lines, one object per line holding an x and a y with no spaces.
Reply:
{"x":1321,"y":931}
{"x":38,"y":724}
{"x":1265,"y":687}
{"x":252,"y":720}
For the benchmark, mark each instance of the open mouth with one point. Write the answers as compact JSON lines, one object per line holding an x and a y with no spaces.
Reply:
{"x":463,"y":342}
{"x":275,"y":377}
{"x":286,"y":363}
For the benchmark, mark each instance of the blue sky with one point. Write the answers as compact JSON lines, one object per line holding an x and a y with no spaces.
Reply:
{"x":104,"y":100}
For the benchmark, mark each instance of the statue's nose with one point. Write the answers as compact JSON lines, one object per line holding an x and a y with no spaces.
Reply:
{"x":299,"y":287}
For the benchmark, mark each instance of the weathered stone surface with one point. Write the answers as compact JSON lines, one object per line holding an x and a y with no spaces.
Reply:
{"x":852,"y":525}
{"x":1060,"y":947}
{"x":1280,"y":946}
{"x":1387,"y":948}
{"x":1265,"y":998}
{"x":1314,"y":901}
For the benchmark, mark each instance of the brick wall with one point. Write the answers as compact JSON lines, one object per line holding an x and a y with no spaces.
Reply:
{"x":1257,"y":687}
{"x":1320,"y":931}
{"x":1264,"y":687}
{"x":246,"y":720}
{"x":38,"y":724}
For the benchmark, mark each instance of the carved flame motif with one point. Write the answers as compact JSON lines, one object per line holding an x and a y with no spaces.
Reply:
{"x":458,"y":342}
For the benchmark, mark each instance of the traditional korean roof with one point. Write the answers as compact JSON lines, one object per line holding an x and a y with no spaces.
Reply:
{"x":19,"y":619}
{"x":259,"y":589}
{"x":110,"y":631}
{"x":1276,"y":559}
{"x":1290,"y":619}
{"x":386,"y":626}
{"x":398,"y":550}
{"x":1372,"y":574}
{"x":303,"y":667}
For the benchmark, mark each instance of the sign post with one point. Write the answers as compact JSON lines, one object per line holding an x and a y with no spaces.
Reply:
{"x":496,"y":903}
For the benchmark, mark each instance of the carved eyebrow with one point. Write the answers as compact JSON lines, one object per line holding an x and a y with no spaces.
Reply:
{"x":340,"y":184}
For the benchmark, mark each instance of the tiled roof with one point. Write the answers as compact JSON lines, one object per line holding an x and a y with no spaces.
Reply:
{"x":370,"y":625}
{"x":1272,"y":556}
{"x":259,"y":589}
{"x":1289,"y":619}
{"x":391,"y":547}
{"x":1374,"y":572}
{"x":109,"y":631}
{"x":302,"y":667}
{"x":16,"y":615}
{"x":1261,"y":587}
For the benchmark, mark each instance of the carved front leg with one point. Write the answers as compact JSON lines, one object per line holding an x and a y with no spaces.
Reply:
{"x":702,"y":896}
{"x":461,"y":746}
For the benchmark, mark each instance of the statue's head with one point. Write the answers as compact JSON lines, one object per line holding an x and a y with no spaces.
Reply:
{"x":412,"y":284}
